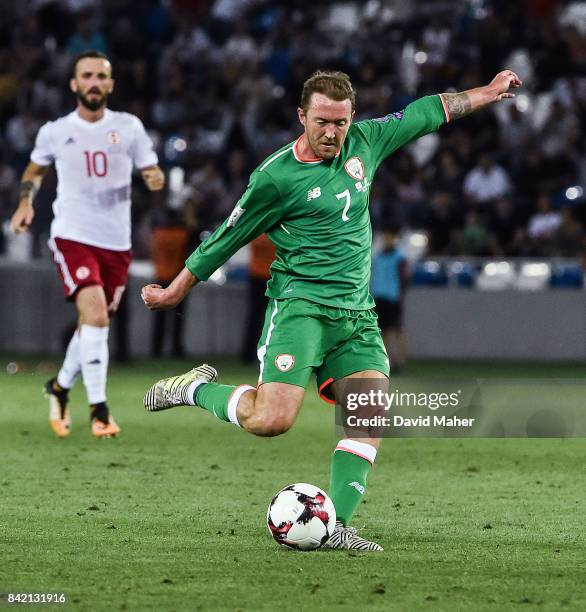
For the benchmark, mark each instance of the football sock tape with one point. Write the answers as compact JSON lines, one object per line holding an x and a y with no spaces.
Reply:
{"x":221,"y":400}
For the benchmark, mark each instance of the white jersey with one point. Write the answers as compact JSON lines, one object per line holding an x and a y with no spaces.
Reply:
{"x":94,"y":167}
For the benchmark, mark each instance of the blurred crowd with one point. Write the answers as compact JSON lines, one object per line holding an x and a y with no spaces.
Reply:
{"x":217,"y":83}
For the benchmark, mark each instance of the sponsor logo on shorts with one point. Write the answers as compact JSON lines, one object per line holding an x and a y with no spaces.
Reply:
{"x":355,"y":168}
{"x":284,"y":362}
{"x":82,"y":272}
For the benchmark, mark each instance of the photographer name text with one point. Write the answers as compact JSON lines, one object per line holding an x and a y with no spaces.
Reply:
{"x":399,"y":421}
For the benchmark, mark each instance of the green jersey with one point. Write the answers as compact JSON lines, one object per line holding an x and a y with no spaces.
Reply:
{"x":316,"y":212}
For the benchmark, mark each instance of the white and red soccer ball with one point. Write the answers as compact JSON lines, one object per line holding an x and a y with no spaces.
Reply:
{"x":301,"y":516}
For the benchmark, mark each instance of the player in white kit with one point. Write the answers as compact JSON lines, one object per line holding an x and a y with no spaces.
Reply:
{"x":94,"y":151}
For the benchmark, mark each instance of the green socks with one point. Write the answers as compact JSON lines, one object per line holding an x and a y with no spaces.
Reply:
{"x":220,"y":400}
{"x":351,"y":464}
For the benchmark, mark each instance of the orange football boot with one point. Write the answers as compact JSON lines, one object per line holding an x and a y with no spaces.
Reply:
{"x":59,"y":415}
{"x":105,"y":430}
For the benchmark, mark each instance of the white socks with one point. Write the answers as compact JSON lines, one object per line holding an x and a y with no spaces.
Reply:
{"x":71,"y":368}
{"x":93,"y":353}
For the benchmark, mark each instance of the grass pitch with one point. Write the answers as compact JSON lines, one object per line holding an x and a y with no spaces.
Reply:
{"x":171,"y":515}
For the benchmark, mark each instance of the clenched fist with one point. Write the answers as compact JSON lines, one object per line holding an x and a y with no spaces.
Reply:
{"x":153,"y":177}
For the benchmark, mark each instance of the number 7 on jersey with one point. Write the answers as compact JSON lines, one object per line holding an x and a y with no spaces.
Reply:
{"x":345,"y":195}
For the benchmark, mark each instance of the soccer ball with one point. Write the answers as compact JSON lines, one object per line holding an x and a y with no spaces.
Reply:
{"x":301,"y":516}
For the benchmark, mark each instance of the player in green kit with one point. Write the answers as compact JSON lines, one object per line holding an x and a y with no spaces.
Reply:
{"x":311,"y":198}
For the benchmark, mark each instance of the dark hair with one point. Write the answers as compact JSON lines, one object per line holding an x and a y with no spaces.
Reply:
{"x":89,"y":53}
{"x":331,"y":83}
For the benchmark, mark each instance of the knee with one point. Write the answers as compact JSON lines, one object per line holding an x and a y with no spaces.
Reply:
{"x":92,"y":307}
{"x":271,"y":426}
{"x":272,"y":410}
{"x":95,"y":314}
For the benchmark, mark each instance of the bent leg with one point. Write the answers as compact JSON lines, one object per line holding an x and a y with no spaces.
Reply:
{"x":289,"y":351}
{"x":270,"y":410}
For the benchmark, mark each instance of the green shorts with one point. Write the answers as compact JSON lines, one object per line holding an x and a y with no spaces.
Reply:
{"x":300,"y":337}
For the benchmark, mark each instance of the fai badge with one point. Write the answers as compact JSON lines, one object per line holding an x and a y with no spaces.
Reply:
{"x":284,"y":362}
{"x":355,"y":168}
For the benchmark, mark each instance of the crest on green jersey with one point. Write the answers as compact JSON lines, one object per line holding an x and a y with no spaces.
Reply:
{"x":355,"y":168}
{"x":284,"y":362}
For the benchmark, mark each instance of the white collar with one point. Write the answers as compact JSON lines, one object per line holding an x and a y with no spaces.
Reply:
{"x":91,"y":124}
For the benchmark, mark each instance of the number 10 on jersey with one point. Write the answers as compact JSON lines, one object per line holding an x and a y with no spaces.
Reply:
{"x":96,"y":163}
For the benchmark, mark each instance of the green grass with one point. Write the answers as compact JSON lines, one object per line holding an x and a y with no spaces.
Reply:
{"x":170,"y":516}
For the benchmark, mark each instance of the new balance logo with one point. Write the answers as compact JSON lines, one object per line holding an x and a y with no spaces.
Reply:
{"x":360,"y":488}
{"x":69,"y":141}
{"x":314,"y":193}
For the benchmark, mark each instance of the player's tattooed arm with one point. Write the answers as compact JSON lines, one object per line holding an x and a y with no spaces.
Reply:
{"x":457,"y":105}
{"x":28,"y":191}
{"x":29,"y":185}
{"x":31,"y":180}
{"x":463,"y":103}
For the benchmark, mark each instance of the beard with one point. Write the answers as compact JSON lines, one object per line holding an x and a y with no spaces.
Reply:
{"x":321,"y":151}
{"x":326,"y":153}
{"x":92,"y":105}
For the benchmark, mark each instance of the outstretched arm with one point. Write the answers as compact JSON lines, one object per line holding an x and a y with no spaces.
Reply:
{"x":259,"y":209}
{"x":30,"y":184}
{"x":463,"y":103}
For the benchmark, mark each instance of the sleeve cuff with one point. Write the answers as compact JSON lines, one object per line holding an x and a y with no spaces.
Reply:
{"x":41,"y":161}
{"x":191,"y":264}
{"x":445,"y":107}
{"x":147,"y":163}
